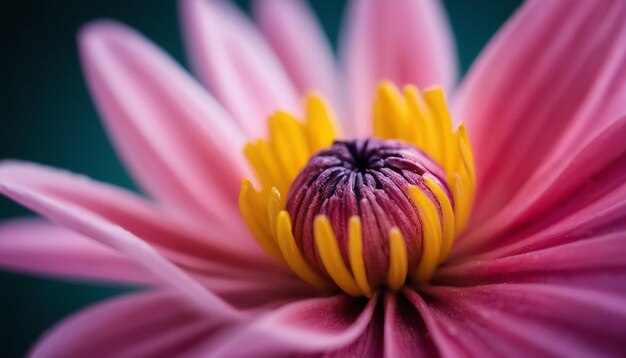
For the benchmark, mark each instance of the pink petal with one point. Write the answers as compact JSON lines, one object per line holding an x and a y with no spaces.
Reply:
{"x":178,"y":240}
{"x":87,"y":221}
{"x":237,"y":65}
{"x":298,"y":40}
{"x":369,"y":345}
{"x":35,"y":246}
{"x":544,"y":85}
{"x":309,"y":326}
{"x":139,"y":325}
{"x":404,"y":41}
{"x":597,"y":263}
{"x":175,"y":139}
{"x":522,"y":320}
{"x":405,"y":333}
{"x":559,"y":188}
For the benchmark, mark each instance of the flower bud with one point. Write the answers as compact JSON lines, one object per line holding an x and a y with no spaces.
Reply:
{"x":368,"y":178}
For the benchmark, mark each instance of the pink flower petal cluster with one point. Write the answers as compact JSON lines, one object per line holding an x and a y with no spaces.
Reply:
{"x":540,"y":271}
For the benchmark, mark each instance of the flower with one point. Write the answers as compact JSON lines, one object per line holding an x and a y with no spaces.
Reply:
{"x":539,"y":270}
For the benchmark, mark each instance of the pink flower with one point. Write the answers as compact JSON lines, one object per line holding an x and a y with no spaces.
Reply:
{"x":540,"y":269}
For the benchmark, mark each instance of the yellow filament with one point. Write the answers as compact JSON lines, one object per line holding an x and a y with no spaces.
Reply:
{"x":461,"y":203}
{"x":290,"y":145}
{"x":259,"y":156}
{"x":466,"y":154}
{"x":292,"y":254}
{"x":398,"y":261}
{"x":331,"y":256}
{"x":447,"y":214}
{"x":435,"y":98}
{"x":390,"y":113}
{"x":273,"y":208}
{"x":417,"y":112}
{"x":431,"y":235}
{"x":355,"y":249}
{"x":318,"y":126}
{"x":253,"y":218}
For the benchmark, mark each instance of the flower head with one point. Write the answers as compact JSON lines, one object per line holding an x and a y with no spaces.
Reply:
{"x":379,"y":231}
{"x":365,"y":212}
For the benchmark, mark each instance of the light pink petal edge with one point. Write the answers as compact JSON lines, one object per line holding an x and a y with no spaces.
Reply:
{"x":35,"y":246}
{"x":175,"y":139}
{"x":404,"y":41}
{"x":235,"y":62}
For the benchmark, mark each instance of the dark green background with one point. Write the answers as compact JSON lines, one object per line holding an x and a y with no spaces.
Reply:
{"x":47,"y":116}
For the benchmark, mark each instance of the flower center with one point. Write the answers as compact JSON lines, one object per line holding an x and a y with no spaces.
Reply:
{"x":366,"y":179}
{"x":364,"y":213}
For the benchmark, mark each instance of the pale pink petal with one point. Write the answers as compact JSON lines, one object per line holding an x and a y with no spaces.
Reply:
{"x":35,"y":246}
{"x":405,"y":333}
{"x":298,"y":40}
{"x":559,"y":188}
{"x":176,"y":140}
{"x":548,"y":82}
{"x":597,"y":263}
{"x":139,"y":325}
{"x":313,"y":325}
{"x":87,"y":221}
{"x":522,"y":320}
{"x":236,"y":63}
{"x":403,"y":41}
{"x":199,"y":248}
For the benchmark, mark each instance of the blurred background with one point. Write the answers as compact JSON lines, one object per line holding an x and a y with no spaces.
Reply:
{"x":46,"y":116}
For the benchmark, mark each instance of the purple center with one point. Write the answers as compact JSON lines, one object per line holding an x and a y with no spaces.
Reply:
{"x":368,"y":178}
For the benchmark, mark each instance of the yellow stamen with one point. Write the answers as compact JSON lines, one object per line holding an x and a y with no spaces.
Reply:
{"x":390,"y":113}
{"x":290,"y":145}
{"x":417,"y":112}
{"x":435,"y":99}
{"x":264,"y":163}
{"x":252,"y":216}
{"x":466,"y":154}
{"x":273,"y":208}
{"x":447,"y":214}
{"x":331,"y":256}
{"x":398,"y":261}
{"x":431,"y":235}
{"x":355,"y":248}
{"x":318,"y":126}
{"x":461,"y":203}
{"x":292,"y":254}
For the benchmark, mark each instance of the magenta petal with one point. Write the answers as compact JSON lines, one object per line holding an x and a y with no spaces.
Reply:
{"x":405,"y":333}
{"x":564,"y":185}
{"x":176,"y":140}
{"x":403,"y":41}
{"x":548,"y":81}
{"x":597,"y":263}
{"x":298,"y":40}
{"x":313,"y":325}
{"x":139,"y":325}
{"x":35,"y":246}
{"x":233,"y":59}
{"x":369,"y":345}
{"x":87,"y":221}
{"x":522,"y":320}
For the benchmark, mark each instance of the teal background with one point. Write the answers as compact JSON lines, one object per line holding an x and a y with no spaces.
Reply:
{"x":46,"y":116}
